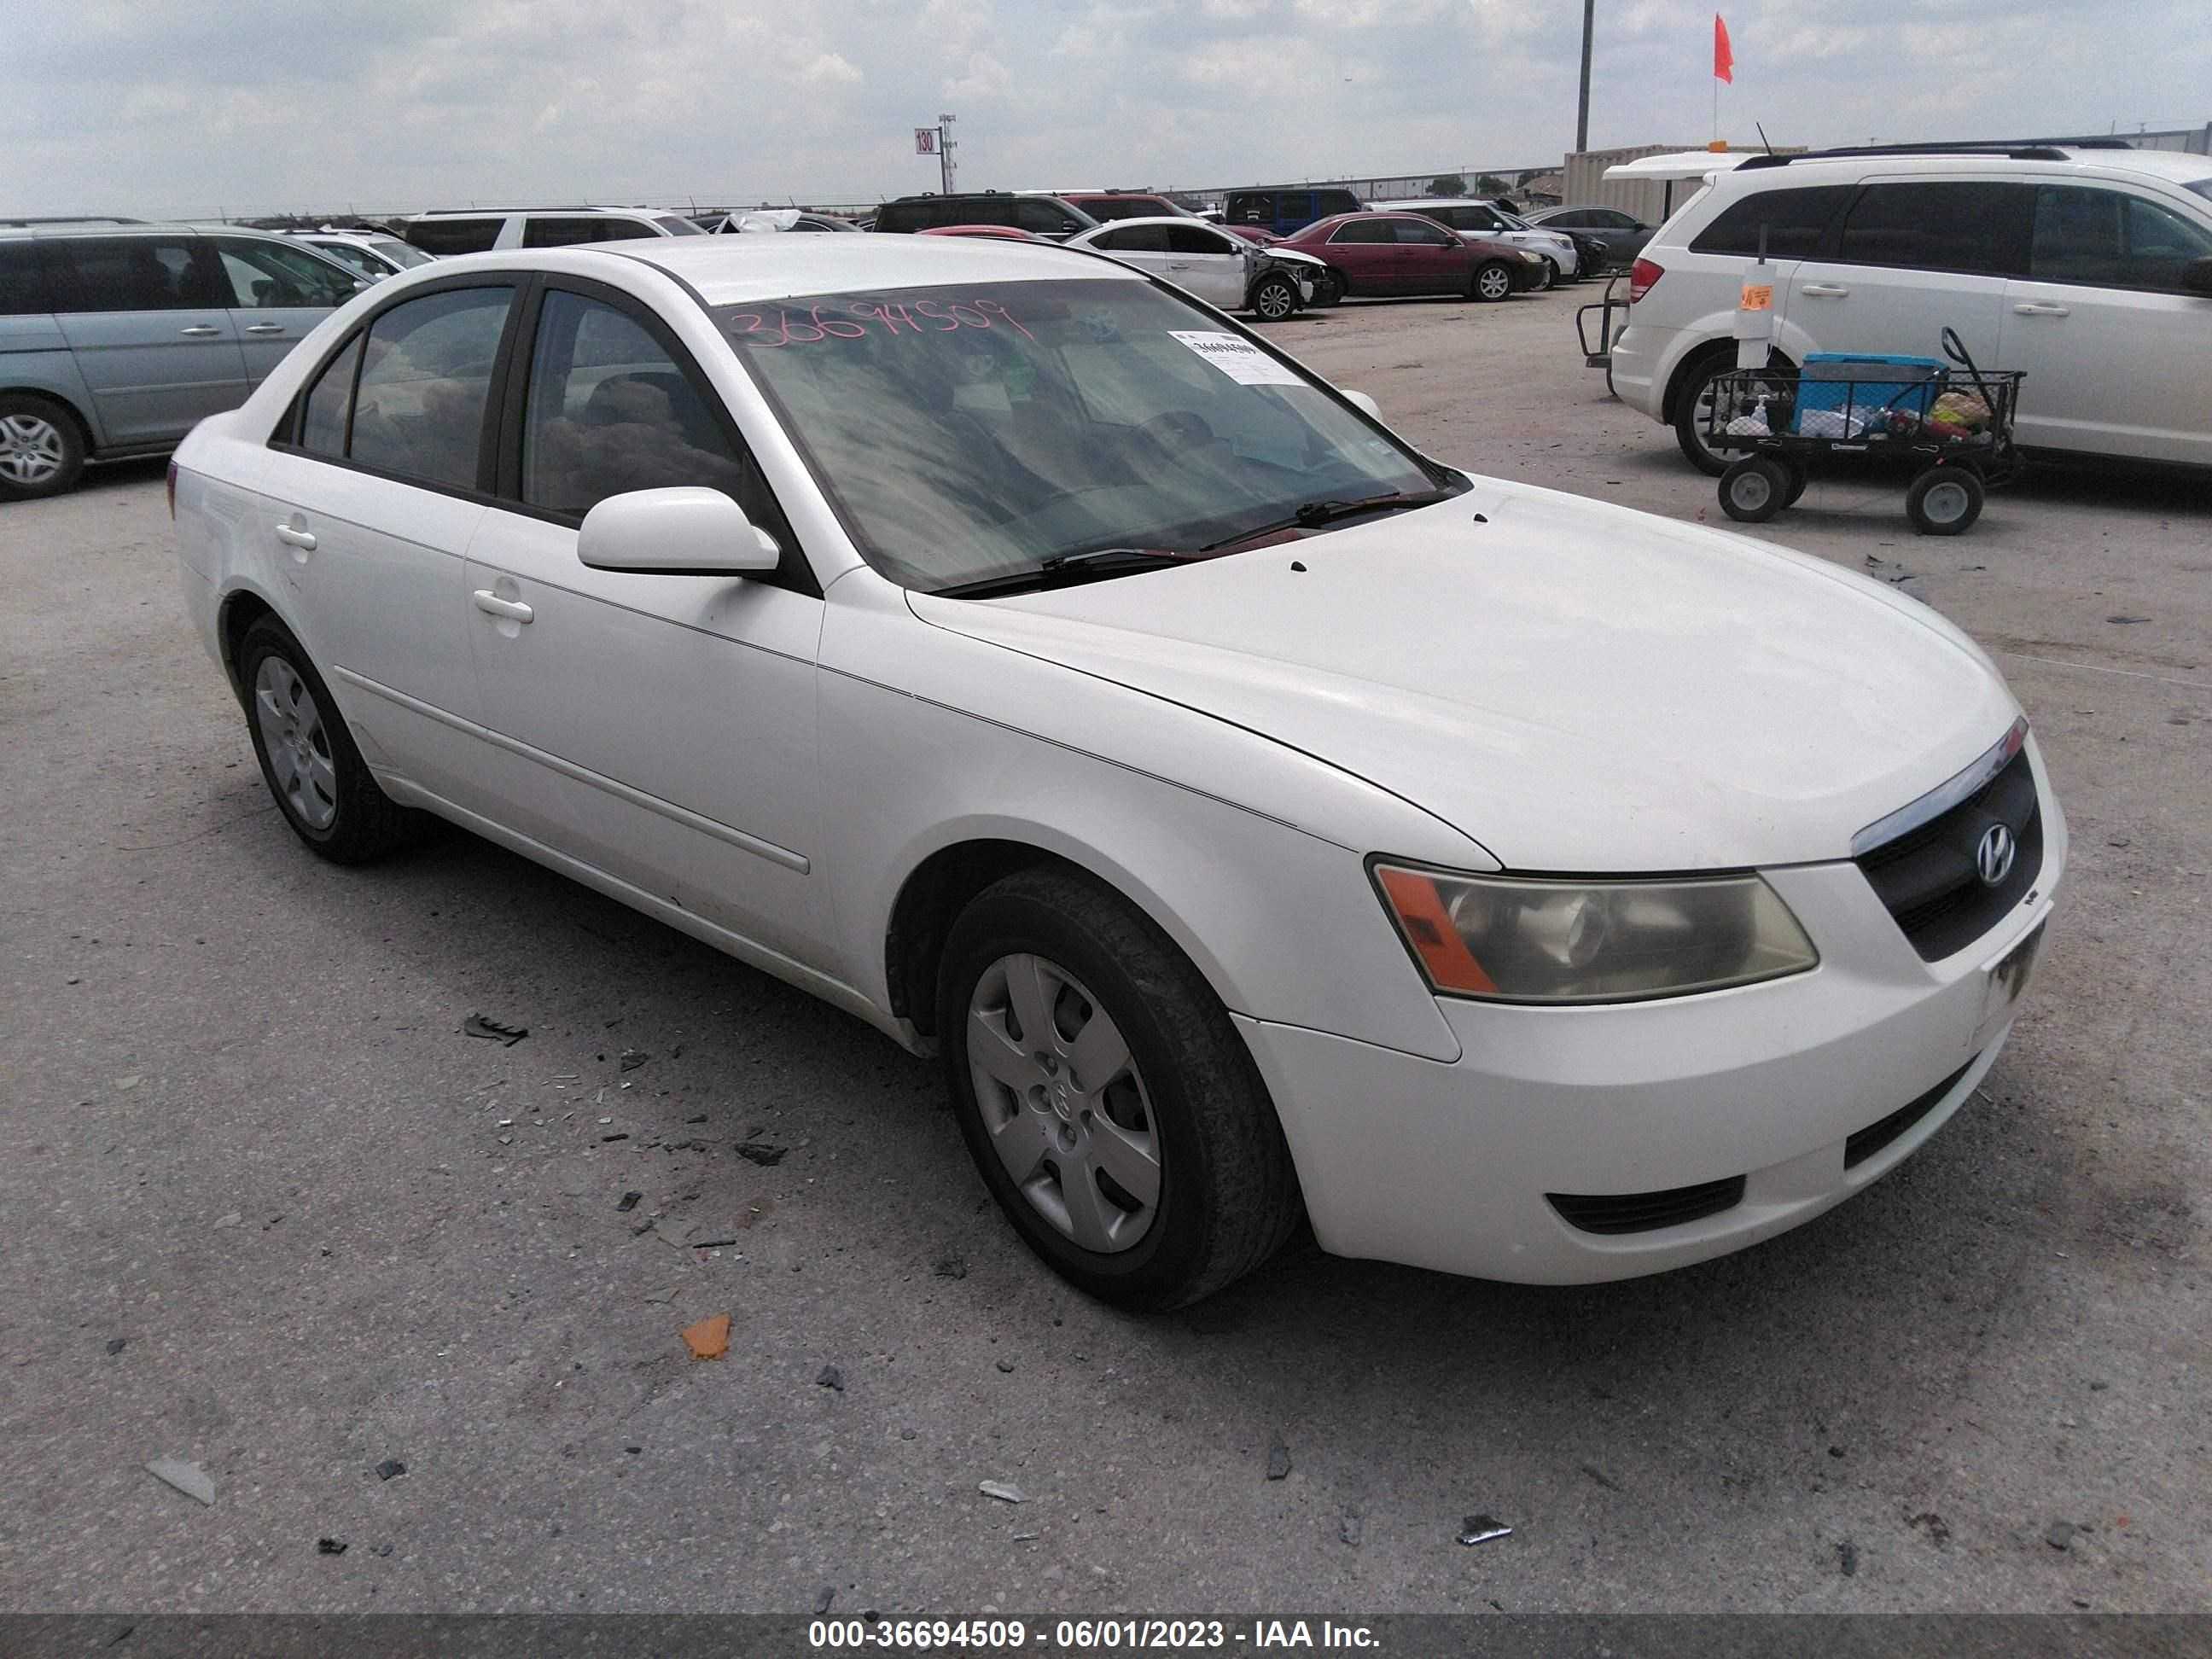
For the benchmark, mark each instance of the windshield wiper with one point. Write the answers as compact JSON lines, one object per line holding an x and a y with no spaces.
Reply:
{"x":1068,"y":570}
{"x":1312,"y":515}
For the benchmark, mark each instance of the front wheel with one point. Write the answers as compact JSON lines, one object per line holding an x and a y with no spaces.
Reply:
{"x":1944,"y":501}
{"x":308,"y":758}
{"x":1548,"y":278}
{"x":1755,"y":489}
{"x":1106,"y":1099}
{"x":1274,"y":298}
{"x":1493,"y":281}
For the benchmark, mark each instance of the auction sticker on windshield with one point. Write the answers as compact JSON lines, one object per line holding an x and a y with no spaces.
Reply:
{"x":1239,"y":359}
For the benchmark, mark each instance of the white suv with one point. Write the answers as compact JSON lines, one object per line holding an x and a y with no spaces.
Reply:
{"x":479,"y":230}
{"x":2088,"y":268}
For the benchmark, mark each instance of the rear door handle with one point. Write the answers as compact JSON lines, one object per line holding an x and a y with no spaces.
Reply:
{"x":492,"y":606}
{"x":2032,"y":309}
{"x":200,"y":331}
{"x":260,"y":328}
{"x":290,"y":536}
{"x":1827,"y":290}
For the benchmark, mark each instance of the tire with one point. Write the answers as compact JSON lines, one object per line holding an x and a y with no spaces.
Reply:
{"x":1944,"y":501}
{"x":1800,"y":475}
{"x":1755,"y":489}
{"x":1205,"y":1190}
{"x":1492,"y":282}
{"x":1547,"y":279}
{"x":308,"y":758}
{"x":1690,"y":397}
{"x":41,"y":447}
{"x":1274,"y":298}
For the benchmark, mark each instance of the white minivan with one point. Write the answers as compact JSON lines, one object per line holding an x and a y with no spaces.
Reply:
{"x":2088,"y":268}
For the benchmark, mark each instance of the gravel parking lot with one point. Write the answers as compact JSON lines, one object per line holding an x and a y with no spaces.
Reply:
{"x":267,"y":1209}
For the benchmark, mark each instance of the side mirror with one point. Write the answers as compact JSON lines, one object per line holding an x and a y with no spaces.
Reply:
{"x":684,"y":532}
{"x":2196,"y":277}
{"x":1362,"y":402}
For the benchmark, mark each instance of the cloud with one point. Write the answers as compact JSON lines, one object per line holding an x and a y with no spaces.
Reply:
{"x":176,"y":107}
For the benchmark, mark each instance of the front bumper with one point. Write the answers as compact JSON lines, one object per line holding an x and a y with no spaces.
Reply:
{"x":1784,"y":1084}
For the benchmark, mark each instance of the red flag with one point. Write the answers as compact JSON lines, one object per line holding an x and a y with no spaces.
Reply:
{"x":1723,"y":58}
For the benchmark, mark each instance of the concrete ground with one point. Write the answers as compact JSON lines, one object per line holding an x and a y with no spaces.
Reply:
{"x":267,"y":1210}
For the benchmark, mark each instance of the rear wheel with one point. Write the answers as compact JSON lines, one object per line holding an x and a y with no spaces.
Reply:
{"x":1693,"y":403}
{"x":1492,"y":282}
{"x":41,"y":447}
{"x":1944,"y":501}
{"x":308,"y":758}
{"x":1108,"y":1102}
{"x":1274,"y":298}
{"x":1755,"y":489}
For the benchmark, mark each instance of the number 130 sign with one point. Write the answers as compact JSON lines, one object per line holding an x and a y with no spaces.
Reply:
{"x":924,"y":141}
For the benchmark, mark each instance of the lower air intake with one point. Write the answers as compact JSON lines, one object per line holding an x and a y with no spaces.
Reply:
{"x":1645,"y":1212}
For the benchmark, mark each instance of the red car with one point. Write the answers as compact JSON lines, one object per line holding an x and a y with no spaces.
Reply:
{"x":1373,"y":254}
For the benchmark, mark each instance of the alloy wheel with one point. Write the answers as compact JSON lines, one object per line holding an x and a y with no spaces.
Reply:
{"x":31,"y":450}
{"x":1495,"y":283}
{"x":290,"y":724}
{"x":1063,"y":1103}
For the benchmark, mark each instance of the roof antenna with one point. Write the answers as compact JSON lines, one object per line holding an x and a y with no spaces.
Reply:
{"x":1763,"y":138}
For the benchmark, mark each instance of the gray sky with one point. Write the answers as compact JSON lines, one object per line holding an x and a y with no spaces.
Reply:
{"x":182,"y":106}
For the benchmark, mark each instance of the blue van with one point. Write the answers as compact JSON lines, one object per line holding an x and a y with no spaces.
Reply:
{"x":1285,"y":210}
{"x":115,"y":340}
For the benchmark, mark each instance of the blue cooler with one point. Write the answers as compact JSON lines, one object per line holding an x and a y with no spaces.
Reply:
{"x":1860,"y":387}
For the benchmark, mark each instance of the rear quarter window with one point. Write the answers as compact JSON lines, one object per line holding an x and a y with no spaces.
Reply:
{"x":1796,"y":222}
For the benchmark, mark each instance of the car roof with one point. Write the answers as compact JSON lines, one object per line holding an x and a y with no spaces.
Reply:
{"x":135,"y":228}
{"x":734,"y":269}
{"x":1173,"y":220}
{"x":565,"y":212}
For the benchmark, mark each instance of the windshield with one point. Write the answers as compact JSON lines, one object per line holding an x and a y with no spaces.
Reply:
{"x":677,"y":227}
{"x":354,"y":260}
{"x":2201,"y":186}
{"x":972,"y":432}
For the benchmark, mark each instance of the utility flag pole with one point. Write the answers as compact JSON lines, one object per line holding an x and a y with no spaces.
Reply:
{"x":1724,"y":69}
{"x":937,"y":141}
{"x":1581,"y":109}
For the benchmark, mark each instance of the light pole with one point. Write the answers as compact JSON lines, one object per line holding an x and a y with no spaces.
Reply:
{"x":1581,"y":109}
{"x":945,"y":165}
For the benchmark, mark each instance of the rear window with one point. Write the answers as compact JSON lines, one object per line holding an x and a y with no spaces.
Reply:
{"x":444,"y":236}
{"x":1326,"y":202}
{"x":1979,"y":228}
{"x":1796,"y":221}
{"x":675,"y":225}
{"x":22,"y":287}
{"x":2201,"y":186}
{"x":1251,"y":207}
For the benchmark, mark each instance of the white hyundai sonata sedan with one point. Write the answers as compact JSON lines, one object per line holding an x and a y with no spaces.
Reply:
{"x":1259,"y":817}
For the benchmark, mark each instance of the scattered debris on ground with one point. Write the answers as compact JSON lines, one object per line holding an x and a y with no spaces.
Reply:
{"x":1351,"y":1526}
{"x":2062,"y":1535}
{"x":1002,"y":1491}
{"x":117,"y":1343}
{"x":479,"y":1025}
{"x":634,"y":1058}
{"x":831,"y":1378}
{"x":823,"y":1598}
{"x":1928,"y":1521}
{"x":329,"y":1546}
{"x":230,"y":1220}
{"x":628,"y":1202}
{"x":1847,"y":1559}
{"x":760,"y":1152}
{"x":390,"y":1468}
{"x":1279,"y":1459}
{"x":1600,"y":1477}
{"x":1007,"y":1366}
{"x":189,"y":1478}
{"x":710,"y":1338}
{"x":1481,"y":1529}
{"x":950,"y":1267}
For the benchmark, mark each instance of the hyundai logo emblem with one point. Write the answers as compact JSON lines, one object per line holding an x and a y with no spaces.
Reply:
{"x":1993,"y":857}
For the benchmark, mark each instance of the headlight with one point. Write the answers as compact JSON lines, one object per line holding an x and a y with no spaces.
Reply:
{"x":1509,"y":939}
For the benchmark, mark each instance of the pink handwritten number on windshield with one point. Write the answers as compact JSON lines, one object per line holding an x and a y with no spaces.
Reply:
{"x":893,"y":319}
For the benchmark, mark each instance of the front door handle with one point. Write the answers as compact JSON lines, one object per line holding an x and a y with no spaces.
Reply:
{"x":200,"y":331}
{"x":1825,"y":290}
{"x":292,"y":537}
{"x":492,"y":606}
{"x":263,"y":328}
{"x":2032,"y":309}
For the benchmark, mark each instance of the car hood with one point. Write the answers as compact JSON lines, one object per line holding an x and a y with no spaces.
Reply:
{"x":1575,"y":685}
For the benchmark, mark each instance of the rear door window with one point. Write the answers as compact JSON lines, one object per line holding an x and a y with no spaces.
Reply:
{"x":1195,"y":239}
{"x":136,"y":273}
{"x":542,"y":231}
{"x":448,"y":236}
{"x":1981,"y":229}
{"x":1794,"y":220}
{"x":425,"y":378}
{"x":1137,"y":238}
{"x":1422,"y":233}
{"x":22,"y":283}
